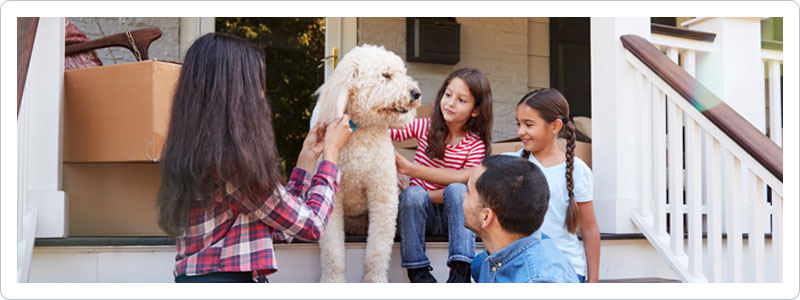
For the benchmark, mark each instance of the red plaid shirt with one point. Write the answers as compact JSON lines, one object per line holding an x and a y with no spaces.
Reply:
{"x":236,"y":235}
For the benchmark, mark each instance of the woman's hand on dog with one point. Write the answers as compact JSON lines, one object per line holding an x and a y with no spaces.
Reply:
{"x":313,"y":146}
{"x":336,"y":137}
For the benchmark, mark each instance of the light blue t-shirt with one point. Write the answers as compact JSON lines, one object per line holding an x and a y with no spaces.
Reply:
{"x":553,"y":224}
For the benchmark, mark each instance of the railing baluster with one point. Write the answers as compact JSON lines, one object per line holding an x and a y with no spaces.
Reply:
{"x":689,"y":62}
{"x":777,"y":235}
{"x":714,"y":202}
{"x":672,"y":53}
{"x":775,"y":111}
{"x":675,"y":181}
{"x":756,"y":236}
{"x":733,"y":175}
{"x":645,"y":130}
{"x":694,"y":197}
{"x":660,"y":160}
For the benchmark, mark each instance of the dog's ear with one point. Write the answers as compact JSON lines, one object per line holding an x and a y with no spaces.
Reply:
{"x":333,"y":95}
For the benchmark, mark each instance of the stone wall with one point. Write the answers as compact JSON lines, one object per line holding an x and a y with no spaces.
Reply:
{"x":165,"y":48}
{"x":499,"y":47}
{"x":538,"y":53}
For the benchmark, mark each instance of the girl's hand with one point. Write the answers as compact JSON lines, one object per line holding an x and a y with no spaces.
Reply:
{"x":402,"y":164}
{"x":336,"y":137}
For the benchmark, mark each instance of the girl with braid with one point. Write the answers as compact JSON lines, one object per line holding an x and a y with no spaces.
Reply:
{"x":542,"y":117}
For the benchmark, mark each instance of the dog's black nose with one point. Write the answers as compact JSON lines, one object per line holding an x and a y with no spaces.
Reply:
{"x":415,"y":93}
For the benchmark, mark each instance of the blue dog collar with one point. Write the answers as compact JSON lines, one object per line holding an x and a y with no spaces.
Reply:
{"x":352,"y":125}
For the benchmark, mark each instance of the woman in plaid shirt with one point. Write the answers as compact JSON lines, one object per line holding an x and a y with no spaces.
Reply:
{"x":221,"y":192}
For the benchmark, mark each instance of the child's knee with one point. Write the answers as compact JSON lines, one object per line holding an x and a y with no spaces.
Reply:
{"x":413,"y":197}
{"x":455,"y":190}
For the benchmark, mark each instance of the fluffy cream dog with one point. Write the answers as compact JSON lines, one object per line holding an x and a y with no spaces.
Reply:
{"x":369,"y":84}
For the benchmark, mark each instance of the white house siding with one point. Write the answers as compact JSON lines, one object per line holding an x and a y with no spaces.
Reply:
{"x":164,"y":48}
{"x":496,"y":46}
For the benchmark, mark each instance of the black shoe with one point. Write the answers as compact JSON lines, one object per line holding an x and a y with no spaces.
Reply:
{"x":459,"y":272}
{"x":421,"y":275}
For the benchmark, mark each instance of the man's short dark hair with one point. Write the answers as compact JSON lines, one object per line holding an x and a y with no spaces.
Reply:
{"x":516,"y":190}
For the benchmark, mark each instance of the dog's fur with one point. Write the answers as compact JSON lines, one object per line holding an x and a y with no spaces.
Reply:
{"x":369,"y":84}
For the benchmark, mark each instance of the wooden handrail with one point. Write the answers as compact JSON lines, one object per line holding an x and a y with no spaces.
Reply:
{"x":142,"y":38}
{"x":26,"y":33}
{"x":682,"y":32}
{"x":753,"y":141}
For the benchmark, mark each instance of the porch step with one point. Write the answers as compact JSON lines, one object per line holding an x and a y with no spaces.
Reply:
{"x":640,"y":280}
{"x":120,"y":259}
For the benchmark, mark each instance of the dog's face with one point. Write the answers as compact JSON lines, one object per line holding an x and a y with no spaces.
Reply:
{"x":371,"y":85}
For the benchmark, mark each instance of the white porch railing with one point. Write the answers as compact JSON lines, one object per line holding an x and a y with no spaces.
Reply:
{"x":685,"y":52}
{"x":774,"y":60}
{"x":682,"y":50}
{"x":674,"y":121}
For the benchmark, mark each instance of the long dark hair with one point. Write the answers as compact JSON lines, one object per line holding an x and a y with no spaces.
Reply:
{"x":552,"y":106}
{"x":482,"y":124}
{"x":220,"y":131}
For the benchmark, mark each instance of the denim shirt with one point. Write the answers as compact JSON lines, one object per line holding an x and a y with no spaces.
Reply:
{"x":533,"y":258}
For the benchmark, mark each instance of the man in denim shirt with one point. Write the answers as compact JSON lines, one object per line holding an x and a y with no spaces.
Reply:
{"x":505,"y":204}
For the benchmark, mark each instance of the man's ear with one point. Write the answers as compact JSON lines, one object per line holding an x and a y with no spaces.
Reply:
{"x":487,"y":217}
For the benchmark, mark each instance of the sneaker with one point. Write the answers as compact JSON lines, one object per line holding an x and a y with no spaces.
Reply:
{"x":459,"y":272}
{"x":421,"y":275}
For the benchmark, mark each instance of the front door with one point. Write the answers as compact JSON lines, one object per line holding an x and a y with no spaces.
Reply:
{"x":570,"y":63}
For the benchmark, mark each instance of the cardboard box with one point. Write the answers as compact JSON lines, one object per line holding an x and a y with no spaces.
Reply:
{"x":112,"y":199}
{"x":582,"y":150}
{"x":118,"y":113}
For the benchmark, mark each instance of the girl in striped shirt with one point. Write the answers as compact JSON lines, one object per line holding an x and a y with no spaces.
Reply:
{"x":457,"y":136}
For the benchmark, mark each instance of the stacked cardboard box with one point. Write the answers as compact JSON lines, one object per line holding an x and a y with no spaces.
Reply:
{"x":115,"y":124}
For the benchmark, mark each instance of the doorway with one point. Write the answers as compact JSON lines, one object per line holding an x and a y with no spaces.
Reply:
{"x":570,"y":63}
{"x":292,"y":48}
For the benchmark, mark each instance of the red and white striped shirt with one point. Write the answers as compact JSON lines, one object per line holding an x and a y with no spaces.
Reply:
{"x":466,"y":154}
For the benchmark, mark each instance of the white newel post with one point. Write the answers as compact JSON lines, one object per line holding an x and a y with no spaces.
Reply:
{"x":615,"y":147}
{"x":733,"y":70}
{"x":43,"y":206}
{"x":43,"y":121}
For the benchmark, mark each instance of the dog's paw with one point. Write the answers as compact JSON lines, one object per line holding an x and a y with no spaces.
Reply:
{"x":333,"y":278}
{"x":375,"y":278}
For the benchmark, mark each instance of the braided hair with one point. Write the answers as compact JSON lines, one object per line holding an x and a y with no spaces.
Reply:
{"x":552,"y":106}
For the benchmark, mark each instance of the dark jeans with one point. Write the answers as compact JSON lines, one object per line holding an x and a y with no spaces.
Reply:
{"x":218,"y":277}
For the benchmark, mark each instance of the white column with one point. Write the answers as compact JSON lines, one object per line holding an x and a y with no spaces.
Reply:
{"x":615,"y":147}
{"x":733,"y":70}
